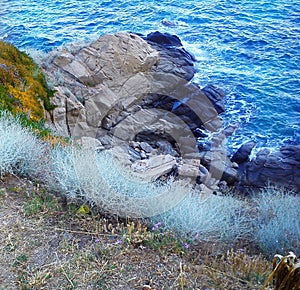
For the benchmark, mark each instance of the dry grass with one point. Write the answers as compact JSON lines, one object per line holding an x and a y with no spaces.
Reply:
{"x":286,"y":272}
{"x":46,"y":244}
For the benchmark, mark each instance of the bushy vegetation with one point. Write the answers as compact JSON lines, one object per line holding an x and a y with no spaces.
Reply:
{"x":101,"y":180}
{"x":277,"y":223}
{"x":23,"y":88}
{"x":270,"y":220}
{"x":208,"y":218}
{"x":20,"y":150}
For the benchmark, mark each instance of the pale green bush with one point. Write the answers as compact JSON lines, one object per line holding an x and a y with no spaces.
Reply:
{"x":277,"y":222}
{"x":20,"y":150}
{"x":101,"y":180}
{"x":208,"y":218}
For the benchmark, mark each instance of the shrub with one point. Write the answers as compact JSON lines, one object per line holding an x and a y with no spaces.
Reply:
{"x":99,"y":179}
{"x":277,"y":225}
{"x":22,"y":84}
{"x":20,"y":150}
{"x":207,"y":218}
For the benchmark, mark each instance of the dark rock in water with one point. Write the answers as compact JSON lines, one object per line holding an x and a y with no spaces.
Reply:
{"x":243,"y":153}
{"x":199,"y":133}
{"x":173,"y":57}
{"x":168,"y":23}
{"x":291,"y":151}
{"x":164,"y":39}
{"x":230,"y":129}
{"x":280,"y":168}
{"x":215,"y":95}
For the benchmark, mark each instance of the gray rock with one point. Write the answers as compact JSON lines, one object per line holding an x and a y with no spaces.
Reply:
{"x":146,"y":147}
{"x":124,"y":87}
{"x":280,"y":168}
{"x":154,"y":167}
{"x":243,"y":153}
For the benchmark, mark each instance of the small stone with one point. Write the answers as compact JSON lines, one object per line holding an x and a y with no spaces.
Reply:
{"x":143,"y":155}
{"x":146,"y":147}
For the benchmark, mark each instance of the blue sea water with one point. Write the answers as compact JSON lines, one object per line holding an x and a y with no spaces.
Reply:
{"x":251,"y":49}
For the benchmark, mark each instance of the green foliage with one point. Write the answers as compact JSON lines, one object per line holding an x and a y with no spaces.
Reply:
{"x":38,"y":127}
{"x":167,"y":241}
{"x":7,"y":101}
{"x":42,"y":203}
{"x":21,"y":259}
{"x":22,"y":84}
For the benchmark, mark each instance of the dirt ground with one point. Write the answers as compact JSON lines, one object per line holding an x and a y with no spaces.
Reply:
{"x":46,"y":243}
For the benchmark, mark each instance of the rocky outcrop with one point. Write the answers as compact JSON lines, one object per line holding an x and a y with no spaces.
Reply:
{"x":94,"y":83}
{"x":134,"y":92}
{"x":281,"y":168}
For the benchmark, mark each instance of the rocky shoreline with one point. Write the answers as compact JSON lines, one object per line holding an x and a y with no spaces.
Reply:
{"x":134,"y":95}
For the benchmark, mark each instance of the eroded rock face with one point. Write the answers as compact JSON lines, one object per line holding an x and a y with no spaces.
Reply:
{"x":98,"y":79}
{"x":126,"y":88}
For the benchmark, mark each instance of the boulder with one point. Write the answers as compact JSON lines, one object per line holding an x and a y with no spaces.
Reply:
{"x":243,"y":153}
{"x":154,"y":167}
{"x":281,"y":168}
{"x":189,"y":168}
{"x":146,"y":147}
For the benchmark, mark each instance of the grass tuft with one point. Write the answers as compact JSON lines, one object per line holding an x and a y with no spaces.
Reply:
{"x":208,"y":218}
{"x":21,"y":151}
{"x":277,"y":223}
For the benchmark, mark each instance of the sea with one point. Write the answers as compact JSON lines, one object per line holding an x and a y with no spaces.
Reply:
{"x":250,"y":49}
